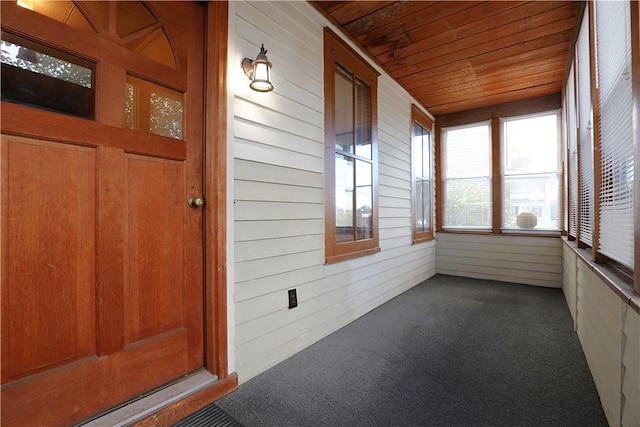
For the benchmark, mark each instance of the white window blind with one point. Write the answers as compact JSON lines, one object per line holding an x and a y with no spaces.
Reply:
{"x":613,"y":42}
{"x":467,"y":169}
{"x":572,"y":147}
{"x":585,"y":142}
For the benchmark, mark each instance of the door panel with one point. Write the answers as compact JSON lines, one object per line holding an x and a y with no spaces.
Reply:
{"x":49,"y":216}
{"x":101,"y":257}
{"x":155,"y":203}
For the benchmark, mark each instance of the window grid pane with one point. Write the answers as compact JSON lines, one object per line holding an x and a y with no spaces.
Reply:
{"x":344,"y":109}
{"x":531,"y":170}
{"x":354,"y":150}
{"x":426,"y":205}
{"x":419,"y":204}
{"x":468,"y":203}
{"x":364,"y":200}
{"x":363,"y":119}
{"x":467,"y":186}
{"x":344,"y":198}
{"x":421,"y":150}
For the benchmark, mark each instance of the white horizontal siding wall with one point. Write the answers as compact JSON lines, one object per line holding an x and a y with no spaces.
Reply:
{"x":609,"y":331}
{"x":570,"y":280}
{"x":599,"y":329}
{"x":630,"y":367}
{"x":278,"y":195}
{"x":518,"y":259}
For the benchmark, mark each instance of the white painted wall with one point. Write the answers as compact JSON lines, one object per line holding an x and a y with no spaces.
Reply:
{"x":519,"y":259}
{"x":609,"y":331}
{"x":277,"y":195}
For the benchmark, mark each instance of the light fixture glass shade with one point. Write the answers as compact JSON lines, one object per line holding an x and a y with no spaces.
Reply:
{"x":259,"y":71}
{"x":261,"y":81}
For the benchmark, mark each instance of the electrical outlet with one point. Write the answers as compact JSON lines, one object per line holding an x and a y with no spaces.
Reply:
{"x":293,"y":298}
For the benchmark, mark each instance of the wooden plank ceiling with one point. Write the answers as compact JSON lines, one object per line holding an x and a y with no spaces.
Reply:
{"x":459,"y":55}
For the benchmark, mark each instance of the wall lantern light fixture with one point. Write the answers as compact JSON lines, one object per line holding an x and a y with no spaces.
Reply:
{"x":258,"y":70}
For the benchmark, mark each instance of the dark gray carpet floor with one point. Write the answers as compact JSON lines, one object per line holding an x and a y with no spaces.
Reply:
{"x":449,"y":352}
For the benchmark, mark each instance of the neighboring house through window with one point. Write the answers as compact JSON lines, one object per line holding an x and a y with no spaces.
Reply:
{"x":351,"y":152}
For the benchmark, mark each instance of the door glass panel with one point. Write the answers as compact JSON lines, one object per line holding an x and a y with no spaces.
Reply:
{"x":153,"y":45}
{"x":132,"y":16}
{"x":62,"y":11}
{"x":153,"y":108}
{"x":142,"y":33}
{"x":134,"y":23}
{"x":53,"y":80}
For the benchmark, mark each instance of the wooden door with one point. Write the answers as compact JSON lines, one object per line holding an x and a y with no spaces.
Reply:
{"x":101,"y":256}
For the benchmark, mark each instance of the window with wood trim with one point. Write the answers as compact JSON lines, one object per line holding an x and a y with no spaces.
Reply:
{"x":607,"y":84}
{"x":585,"y":135}
{"x":490,"y":174}
{"x":351,"y":152}
{"x":614,"y":138}
{"x":531,"y":172}
{"x":466,"y":164}
{"x":571,"y":140}
{"x":422,"y":173}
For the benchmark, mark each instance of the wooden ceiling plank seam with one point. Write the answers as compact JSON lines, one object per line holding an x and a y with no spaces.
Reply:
{"x":461,"y":72}
{"x":442,"y":28}
{"x":330,"y":5}
{"x":445,"y":57}
{"x":464,"y":24}
{"x":520,"y":107}
{"x":521,"y":53}
{"x":448,"y":107}
{"x":357,"y":9}
{"x":398,"y":11}
{"x":448,"y":54}
{"x":436,"y":91}
{"x":514,"y":83}
{"x":421,"y":18}
{"x":434,"y":99}
{"x":543,"y":64}
{"x":528,"y":46}
{"x":487,"y":83}
{"x":456,"y":56}
{"x":484,"y":40}
{"x":558,"y":50}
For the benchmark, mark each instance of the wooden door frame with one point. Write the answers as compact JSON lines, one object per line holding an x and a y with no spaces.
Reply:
{"x":215,"y":176}
{"x":215,"y":233}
